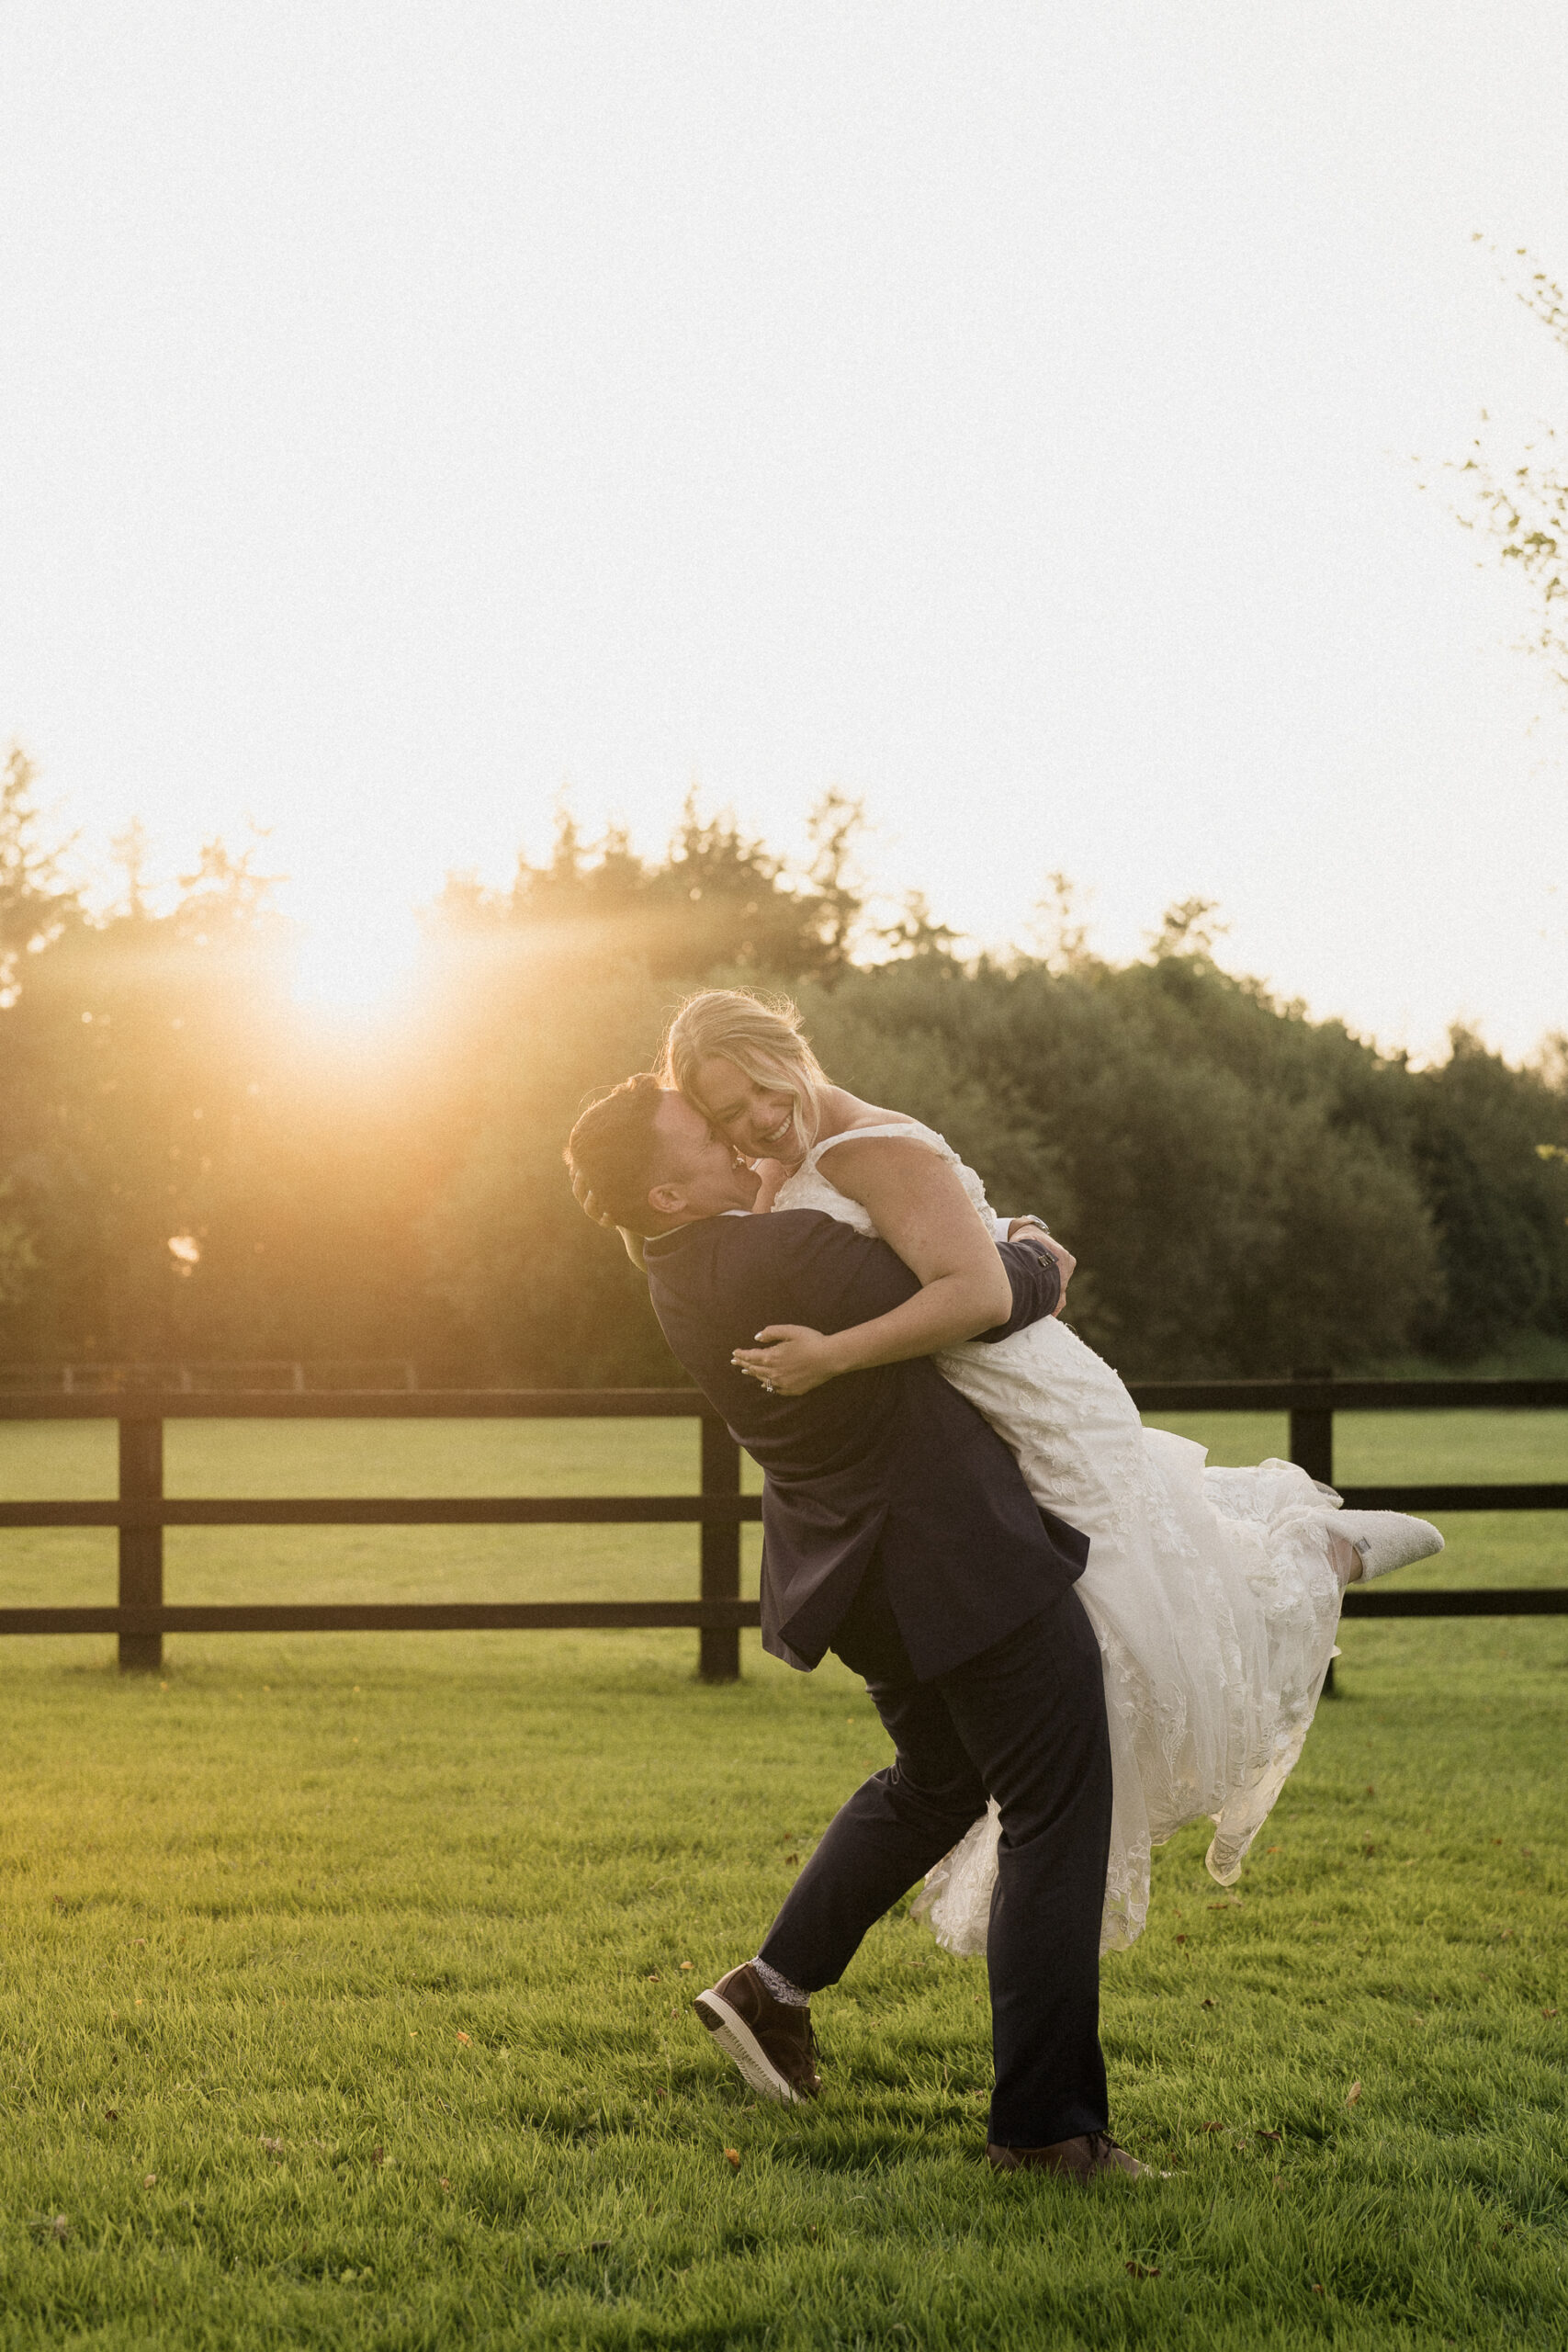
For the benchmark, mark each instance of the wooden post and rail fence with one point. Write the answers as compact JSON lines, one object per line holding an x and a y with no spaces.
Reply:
{"x":141,"y":1513}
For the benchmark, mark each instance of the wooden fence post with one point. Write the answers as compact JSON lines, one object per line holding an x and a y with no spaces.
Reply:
{"x":719,"y":1646}
{"x":141,"y":1548}
{"x":1312,"y":1447}
{"x":1312,"y":1434}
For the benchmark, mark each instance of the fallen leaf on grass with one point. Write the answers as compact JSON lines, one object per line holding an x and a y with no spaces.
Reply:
{"x":732,"y":2156}
{"x":149,"y":2180}
{"x":1269,"y":2135}
{"x":60,"y":2225}
{"x":792,"y":1861}
{"x":686,"y":1967}
{"x":1549,"y":2013}
{"x":111,"y":2115}
{"x":1181,"y":1939}
{"x":1141,"y":2270}
{"x":1354,"y":2093}
{"x":1316,"y":2288}
{"x":465,"y":2037}
{"x":378,"y":2155}
{"x":446,"y":2184}
{"x":272,"y":2147}
{"x":1205,"y":2005}
{"x":1213,"y":2127}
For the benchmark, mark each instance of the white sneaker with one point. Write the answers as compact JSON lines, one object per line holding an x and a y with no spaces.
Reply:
{"x":1386,"y":1540}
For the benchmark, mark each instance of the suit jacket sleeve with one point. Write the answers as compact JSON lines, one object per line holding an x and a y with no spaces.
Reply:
{"x":1036,"y":1280}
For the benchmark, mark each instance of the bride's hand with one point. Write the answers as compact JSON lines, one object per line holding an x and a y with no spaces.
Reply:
{"x":789,"y":1358}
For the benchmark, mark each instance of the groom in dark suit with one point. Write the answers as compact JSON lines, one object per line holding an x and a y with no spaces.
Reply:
{"x":898,"y":1532}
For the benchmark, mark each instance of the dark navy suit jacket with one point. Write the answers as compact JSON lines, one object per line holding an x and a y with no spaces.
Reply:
{"x":892,"y":1461}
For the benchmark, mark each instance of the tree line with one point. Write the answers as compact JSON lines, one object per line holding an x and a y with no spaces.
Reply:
{"x":192,"y":1167}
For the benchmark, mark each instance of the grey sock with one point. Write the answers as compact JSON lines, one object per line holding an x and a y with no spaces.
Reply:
{"x":780,"y":1987}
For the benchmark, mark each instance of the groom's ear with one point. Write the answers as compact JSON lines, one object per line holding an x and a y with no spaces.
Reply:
{"x":666,"y":1200}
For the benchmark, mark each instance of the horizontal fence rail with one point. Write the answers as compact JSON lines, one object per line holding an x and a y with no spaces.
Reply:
{"x":141,"y":1511}
{"x":242,"y":1378}
{"x":393,"y":1510}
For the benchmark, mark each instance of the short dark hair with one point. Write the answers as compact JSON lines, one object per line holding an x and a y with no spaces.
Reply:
{"x":612,"y":1148}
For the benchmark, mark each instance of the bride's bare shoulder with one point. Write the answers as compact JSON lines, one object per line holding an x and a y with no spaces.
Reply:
{"x":884,"y":1175}
{"x":843,"y":1113}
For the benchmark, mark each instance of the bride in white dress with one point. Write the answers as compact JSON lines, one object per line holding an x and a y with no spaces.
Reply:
{"x":1215,"y":1593}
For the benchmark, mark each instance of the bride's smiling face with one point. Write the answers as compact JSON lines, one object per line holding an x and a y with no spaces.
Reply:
{"x":759,"y":1121}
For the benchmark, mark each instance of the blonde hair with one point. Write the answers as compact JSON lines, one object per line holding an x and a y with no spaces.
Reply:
{"x":762,"y":1036}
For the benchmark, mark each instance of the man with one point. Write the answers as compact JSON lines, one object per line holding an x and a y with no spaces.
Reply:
{"x":898,"y":1532}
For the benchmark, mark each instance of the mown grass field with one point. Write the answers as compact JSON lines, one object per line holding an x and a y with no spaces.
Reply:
{"x":344,"y":1981}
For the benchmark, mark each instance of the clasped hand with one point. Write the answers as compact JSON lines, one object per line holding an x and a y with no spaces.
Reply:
{"x":789,"y":1358}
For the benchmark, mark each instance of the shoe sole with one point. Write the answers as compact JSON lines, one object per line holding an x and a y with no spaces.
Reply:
{"x":738,"y":2043}
{"x":1371,"y":1575}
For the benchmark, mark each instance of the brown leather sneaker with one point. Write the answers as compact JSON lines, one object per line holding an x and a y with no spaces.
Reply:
{"x":771,"y":2043}
{"x":1092,"y":2156}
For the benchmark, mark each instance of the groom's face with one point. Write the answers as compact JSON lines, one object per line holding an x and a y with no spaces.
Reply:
{"x":698,"y":1173}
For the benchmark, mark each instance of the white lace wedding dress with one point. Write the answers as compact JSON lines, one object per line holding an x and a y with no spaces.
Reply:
{"x":1212,"y":1593}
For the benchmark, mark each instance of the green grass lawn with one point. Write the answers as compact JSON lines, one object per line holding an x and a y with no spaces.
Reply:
{"x":343,"y":1999}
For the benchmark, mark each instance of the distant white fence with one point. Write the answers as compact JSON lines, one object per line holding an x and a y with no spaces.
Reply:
{"x":269,"y":1375}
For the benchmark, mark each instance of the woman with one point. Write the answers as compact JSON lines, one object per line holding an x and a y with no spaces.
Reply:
{"x":1215,"y":1593}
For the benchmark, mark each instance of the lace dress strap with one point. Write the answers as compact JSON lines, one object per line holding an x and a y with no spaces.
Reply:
{"x":811,"y":1187}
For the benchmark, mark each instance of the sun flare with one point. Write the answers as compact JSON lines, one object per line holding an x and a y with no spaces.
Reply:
{"x":356,"y":967}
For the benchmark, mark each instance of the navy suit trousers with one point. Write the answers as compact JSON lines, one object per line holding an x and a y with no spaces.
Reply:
{"x":1024,"y":1722}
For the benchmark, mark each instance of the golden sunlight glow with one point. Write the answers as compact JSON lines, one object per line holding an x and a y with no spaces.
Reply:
{"x":356,"y":963}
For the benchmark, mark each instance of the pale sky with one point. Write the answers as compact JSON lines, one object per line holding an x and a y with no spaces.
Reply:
{"x":1005,"y":413}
